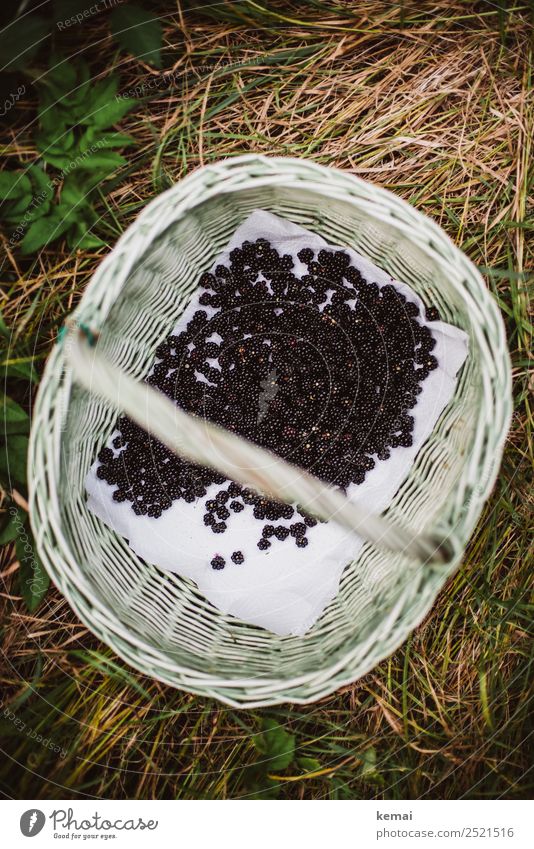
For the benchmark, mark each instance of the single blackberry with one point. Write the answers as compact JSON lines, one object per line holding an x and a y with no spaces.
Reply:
{"x":432,"y":314}
{"x":305,"y":255}
{"x":248,"y":496}
{"x":218,"y":562}
{"x":286,"y":511}
{"x":264,"y":544}
{"x":237,"y":557}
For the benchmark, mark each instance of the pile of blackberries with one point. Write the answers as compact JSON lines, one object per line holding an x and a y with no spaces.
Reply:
{"x":322,"y":369}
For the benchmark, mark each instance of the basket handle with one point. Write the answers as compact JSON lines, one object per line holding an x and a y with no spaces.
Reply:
{"x":207,"y":444}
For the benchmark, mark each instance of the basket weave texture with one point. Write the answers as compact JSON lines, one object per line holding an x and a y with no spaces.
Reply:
{"x":158,"y":622}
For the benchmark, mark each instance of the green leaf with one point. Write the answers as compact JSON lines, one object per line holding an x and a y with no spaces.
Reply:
{"x":87,"y":179}
{"x":41,"y":182}
{"x":72,"y":195}
{"x":104,"y":108}
{"x":102,"y":93}
{"x":34,"y":203}
{"x":14,"y":185}
{"x":72,"y":216}
{"x":53,"y":119}
{"x":13,"y":453}
{"x":61,"y":161}
{"x":58,"y":148}
{"x":109,"y":113}
{"x":59,"y":81}
{"x":276,"y":744}
{"x":116,"y":140}
{"x":33,"y":577}
{"x":13,"y":419}
{"x":92,"y":137}
{"x":139,"y":32}
{"x":309,"y":764}
{"x":85,"y":242}
{"x":39,"y":209}
{"x":63,"y":97}
{"x":368,"y":770}
{"x":14,"y":210}
{"x":105,"y":161}
{"x":43,"y":231}
{"x":20,"y":41}
{"x":10,"y":530}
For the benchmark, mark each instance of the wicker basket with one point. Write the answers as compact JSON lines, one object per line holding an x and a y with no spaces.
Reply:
{"x":159,"y":622}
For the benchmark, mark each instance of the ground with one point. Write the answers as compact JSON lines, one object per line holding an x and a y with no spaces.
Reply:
{"x":430,"y":100}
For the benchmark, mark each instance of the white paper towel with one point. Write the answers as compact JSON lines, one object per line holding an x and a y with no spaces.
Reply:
{"x":284,"y":589}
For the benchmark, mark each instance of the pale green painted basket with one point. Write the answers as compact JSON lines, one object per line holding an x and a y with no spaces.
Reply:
{"x":159,"y":622}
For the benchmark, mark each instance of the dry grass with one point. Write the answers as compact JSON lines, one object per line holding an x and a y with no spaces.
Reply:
{"x":431,"y":101}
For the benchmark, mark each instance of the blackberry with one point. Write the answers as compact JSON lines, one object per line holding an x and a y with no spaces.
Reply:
{"x":305,"y":255}
{"x":327,"y":382}
{"x":218,"y":562}
{"x":237,"y":557}
{"x":432,"y":314}
{"x":248,"y":496}
{"x":264,"y":544}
